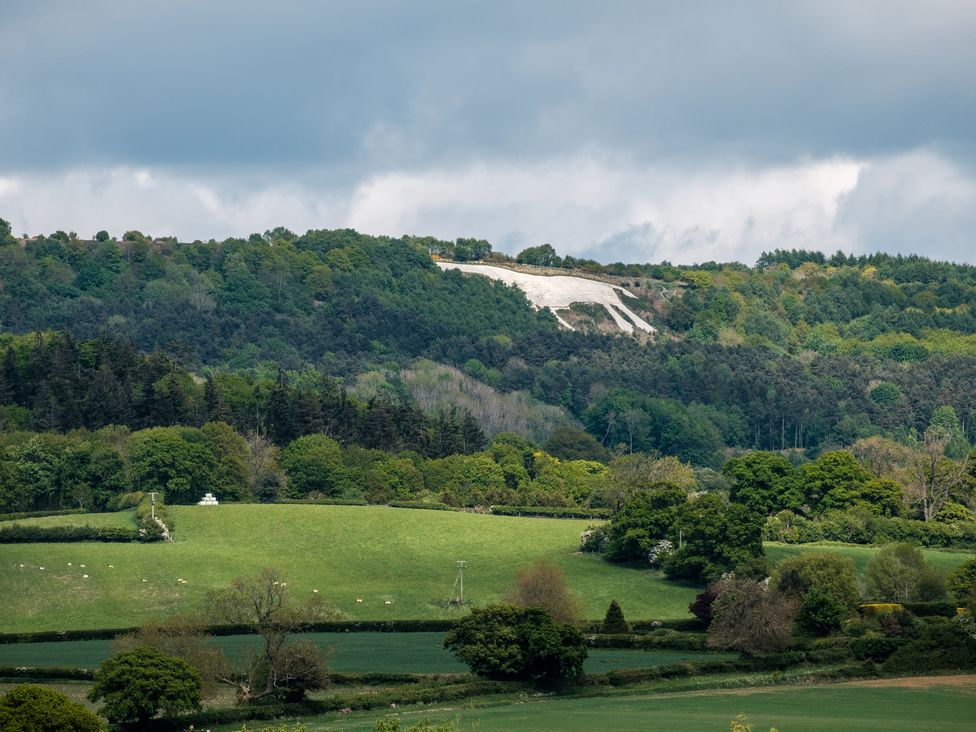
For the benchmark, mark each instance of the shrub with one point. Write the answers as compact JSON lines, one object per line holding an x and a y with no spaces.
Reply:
{"x":823,"y":571}
{"x":138,"y":684}
{"x":749,"y":617}
{"x":543,"y":585}
{"x":873,"y":647}
{"x":505,"y":642}
{"x":32,"y":708}
{"x":900,"y":573}
{"x":594,"y":539}
{"x":961,"y":582}
{"x":821,"y":612}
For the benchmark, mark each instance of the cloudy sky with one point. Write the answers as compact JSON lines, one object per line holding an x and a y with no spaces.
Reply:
{"x":640,"y":131}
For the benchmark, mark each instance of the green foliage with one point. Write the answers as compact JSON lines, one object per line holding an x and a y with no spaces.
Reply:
{"x":643,"y":521}
{"x":961,"y":582}
{"x":899,"y":572}
{"x":614,"y":621}
{"x":764,"y":482}
{"x":311,"y":463}
{"x":712,"y":537}
{"x":572,"y":443}
{"x":32,"y":708}
{"x":821,"y":612}
{"x":505,"y":642}
{"x":24,"y":533}
{"x":175,"y":461}
{"x":824,"y":572}
{"x":138,"y":684}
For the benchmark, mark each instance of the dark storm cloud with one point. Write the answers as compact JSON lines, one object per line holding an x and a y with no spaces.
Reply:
{"x":365,"y":85}
{"x":631,"y":130}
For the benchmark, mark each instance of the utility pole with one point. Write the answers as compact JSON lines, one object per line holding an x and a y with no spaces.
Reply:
{"x":152,"y":496}
{"x":458,"y":584}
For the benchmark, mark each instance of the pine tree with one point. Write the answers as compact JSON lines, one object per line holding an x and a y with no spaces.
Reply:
{"x":472,"y":435}
{"x":614,"y":621}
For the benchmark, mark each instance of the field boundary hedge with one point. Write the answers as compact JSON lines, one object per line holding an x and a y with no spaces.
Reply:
{"x":25,"y":534}
{"x":334,"y":626}
{"x":552,"y":512}
{"x":21,"y":515}
{"x":422,"y":505}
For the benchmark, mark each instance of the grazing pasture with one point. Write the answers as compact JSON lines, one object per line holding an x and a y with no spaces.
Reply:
{"x":371,"y":562}
{"x":400,"y":563}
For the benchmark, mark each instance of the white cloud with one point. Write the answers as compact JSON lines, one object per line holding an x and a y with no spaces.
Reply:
{"x":589,"y":205}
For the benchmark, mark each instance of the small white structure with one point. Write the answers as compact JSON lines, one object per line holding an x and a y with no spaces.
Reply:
{"x":208,"y":500}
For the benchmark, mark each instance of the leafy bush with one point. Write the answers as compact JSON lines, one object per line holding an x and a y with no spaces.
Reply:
{"x":961,"y":581}
{"x":873,"y":647}
{"x":138,"y":684}
{"x":31,"y":708}
{"x":505,"y":642}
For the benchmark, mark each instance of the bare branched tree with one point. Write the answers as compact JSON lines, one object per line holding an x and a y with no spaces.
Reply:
{"x":933,"y":477}
{"x":279,"y":668}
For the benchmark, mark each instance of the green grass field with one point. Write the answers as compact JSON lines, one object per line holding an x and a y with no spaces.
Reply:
{"x":124,"y":519}
{"x":348,"y":652}
{"x":349,"y":553}
{"x":944,"y":705}
{"x":941,"y":560}
{"x":371,"y":562}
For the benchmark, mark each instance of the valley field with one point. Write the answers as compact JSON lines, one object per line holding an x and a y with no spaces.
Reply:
{"x":887,"y":705}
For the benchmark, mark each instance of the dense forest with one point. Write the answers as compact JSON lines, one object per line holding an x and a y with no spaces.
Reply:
{"x":355,"y":359}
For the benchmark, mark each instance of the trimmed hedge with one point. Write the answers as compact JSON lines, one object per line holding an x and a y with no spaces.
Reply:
{"x":931,"y":609}
{"x":23,"y":673}
{"x":422,"y":504}
{"x":659,"y":639}
{"x":855,"y":528}
{"x":24,"y":533}
{"x":333,"y":626}
{"x":552,"y":512}
{"x":40,"y":514}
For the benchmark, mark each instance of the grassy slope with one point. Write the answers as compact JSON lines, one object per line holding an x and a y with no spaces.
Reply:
{"x":376,"y":554}
{"x":942,"y":560}
{"x":348,"y":652}
{"x":124,"y":519}
{"x":848,"y":707}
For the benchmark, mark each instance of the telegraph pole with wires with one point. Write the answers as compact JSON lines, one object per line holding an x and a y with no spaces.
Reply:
{"x":152,"y":496}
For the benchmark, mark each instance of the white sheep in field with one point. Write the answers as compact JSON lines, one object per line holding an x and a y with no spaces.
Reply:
{"x":84,"y":576}
{"x":388,"y":602}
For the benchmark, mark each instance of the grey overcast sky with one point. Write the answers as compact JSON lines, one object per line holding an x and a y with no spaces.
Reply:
{"x":639,"y":131}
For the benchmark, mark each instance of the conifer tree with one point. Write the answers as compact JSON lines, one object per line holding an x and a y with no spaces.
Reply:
{"x":613,"y":621}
